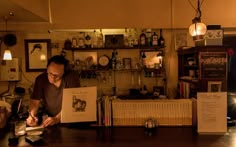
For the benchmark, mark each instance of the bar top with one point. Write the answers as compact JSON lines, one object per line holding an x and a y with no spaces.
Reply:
{"x":64,"y":135}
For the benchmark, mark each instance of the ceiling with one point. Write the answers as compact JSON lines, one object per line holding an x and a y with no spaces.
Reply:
{"x":20,"y":14}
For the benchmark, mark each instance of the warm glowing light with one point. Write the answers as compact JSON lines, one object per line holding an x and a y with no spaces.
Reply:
{"x":7,"y":55}
{"x":160,"y":60}
{"x":197,"y":30}
{"x":42,"y":57}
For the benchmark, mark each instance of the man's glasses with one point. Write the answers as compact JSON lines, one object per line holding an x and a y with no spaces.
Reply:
{"x":55,"y":76}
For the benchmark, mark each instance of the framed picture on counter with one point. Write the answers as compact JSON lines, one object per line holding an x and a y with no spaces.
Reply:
{"x":37,"y":52}
{"x":214,"y":86}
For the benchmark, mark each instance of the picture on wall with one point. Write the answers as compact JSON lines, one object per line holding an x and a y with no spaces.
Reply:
{"x":37,"y":52}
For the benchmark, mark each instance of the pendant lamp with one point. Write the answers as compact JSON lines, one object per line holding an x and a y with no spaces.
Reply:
{"x":197,"y":29}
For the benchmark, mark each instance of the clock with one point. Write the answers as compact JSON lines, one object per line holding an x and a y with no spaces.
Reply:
{"x":103,"y":61}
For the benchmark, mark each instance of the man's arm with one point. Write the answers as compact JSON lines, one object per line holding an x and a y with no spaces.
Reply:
{"x":34,"y":106}
{"x":32,"y":120}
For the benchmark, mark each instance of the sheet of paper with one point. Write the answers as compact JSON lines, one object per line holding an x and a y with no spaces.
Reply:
{"x":212,"y":112}
{"x":79,"y":105}
{"x":34,"y":128}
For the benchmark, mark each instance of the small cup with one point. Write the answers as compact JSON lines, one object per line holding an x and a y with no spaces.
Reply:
{"x":20,"y":128}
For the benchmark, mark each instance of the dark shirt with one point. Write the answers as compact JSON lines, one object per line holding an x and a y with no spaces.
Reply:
{"x":51,"y":95}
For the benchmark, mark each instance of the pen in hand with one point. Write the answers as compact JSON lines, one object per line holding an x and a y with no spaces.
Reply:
{"x":31,"y":115}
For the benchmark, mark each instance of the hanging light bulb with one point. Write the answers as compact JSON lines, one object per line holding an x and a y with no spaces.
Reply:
{"x":198,"y":29}
{"x":7,"y":55}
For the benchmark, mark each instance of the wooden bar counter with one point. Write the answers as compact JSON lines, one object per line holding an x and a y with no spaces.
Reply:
{"x":80,"y":136}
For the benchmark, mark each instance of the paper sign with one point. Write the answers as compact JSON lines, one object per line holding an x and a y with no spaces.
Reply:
{"x":212,"y":112}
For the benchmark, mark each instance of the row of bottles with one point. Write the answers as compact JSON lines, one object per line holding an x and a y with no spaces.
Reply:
{"x":132,"y":38}
{"x":86,"y":40}
{"x":150,"y":38}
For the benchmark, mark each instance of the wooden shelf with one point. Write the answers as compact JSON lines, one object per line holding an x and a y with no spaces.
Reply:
{"x":105,"y":48}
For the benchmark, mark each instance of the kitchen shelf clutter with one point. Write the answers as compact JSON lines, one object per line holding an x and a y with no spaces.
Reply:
{"x":128,"y":64}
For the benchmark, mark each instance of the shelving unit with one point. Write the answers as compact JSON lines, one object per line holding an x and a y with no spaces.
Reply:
{"x":202,"y":69}
{"x":113,"y":79}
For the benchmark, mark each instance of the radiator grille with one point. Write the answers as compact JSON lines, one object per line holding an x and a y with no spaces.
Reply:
{"x":165,"y":112}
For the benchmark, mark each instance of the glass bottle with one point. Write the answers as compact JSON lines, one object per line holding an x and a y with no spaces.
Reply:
{"x":143,"y":57}
{"x":154,"y":39}
{"x":130,"y":38}
{"x":81,"y":40}
{"x":161,"y":40}
{"x":149,"y":37}
{"x":113,"y":60}
{"x":94,"y":39}
{"x":100,"y":39}
{"x":135,"y":38}
{"x":142,"y":38}
{"x":126,"y":38}
{"x":88,"y":41}
{"x":74,"y":42}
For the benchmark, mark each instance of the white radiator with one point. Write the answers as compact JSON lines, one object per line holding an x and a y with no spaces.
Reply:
{"x":165,"y":112}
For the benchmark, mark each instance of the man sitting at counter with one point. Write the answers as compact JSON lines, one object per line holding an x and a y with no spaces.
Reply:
{"x":48,"y":89}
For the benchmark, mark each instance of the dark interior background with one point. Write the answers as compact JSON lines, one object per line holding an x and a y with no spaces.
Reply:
{"x":230,"y":40}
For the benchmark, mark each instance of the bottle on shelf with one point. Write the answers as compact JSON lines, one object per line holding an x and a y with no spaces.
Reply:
{"x":149,"y":37}
{"x":126,"y":38}
{"x":94,"y":39}
{"x":154,"y":39}
{"x":113,"y":60}
{"x":118,"y":62}
{"x":130,"y":38}
{"x":142,"y":39}
{"x":81,"y":40}
{"x":100,"y":39}
{"x":143,"y":58}
{"x":135,"y":38}
{"x":161,"y":40}
{"x":74,"y":42}
{"x":88,"y":41}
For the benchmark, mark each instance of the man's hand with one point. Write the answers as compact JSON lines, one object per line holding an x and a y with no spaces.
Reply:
{"x":51,"y":121}
{"x":32,"y":121}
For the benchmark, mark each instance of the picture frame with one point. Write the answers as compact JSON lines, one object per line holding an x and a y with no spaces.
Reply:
{"x":127,"y":63}
{"x":37,"y":52}
{"x":214,"y":86}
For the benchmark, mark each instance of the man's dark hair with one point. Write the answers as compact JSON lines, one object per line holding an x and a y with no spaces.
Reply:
{"x":59,"y":59}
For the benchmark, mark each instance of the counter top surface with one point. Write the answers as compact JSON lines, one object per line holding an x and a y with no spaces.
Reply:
{"x":76,"y":135}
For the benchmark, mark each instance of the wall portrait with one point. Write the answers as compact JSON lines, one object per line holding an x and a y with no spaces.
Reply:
{"x":37,"y":52}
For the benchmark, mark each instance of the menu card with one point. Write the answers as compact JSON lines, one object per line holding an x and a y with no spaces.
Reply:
{"x":211,"y":112}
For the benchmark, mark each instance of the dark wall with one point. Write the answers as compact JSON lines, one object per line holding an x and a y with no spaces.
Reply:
{"x":230,"y":40}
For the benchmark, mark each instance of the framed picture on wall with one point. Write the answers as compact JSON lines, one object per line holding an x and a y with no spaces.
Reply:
{"x":214,"y":86}
{"x":37,"y":53}
{"x":127,"y":63}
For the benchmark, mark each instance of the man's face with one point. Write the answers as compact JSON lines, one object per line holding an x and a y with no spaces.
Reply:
{"x":55,"y":72}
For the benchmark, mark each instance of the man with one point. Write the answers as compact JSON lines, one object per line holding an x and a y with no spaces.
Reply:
{"x":48,"y":88}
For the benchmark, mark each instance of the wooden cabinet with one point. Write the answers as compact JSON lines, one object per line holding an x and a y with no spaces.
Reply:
{"x":202,"y":69}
